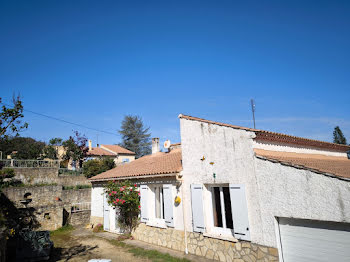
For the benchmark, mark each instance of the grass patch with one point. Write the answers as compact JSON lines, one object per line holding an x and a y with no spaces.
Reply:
{"x":62,"y":230}
{"x":153,"y":255}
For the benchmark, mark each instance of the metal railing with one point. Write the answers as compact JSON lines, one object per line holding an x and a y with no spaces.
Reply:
{"x":76,"y":207}
{"x":15,"y":163}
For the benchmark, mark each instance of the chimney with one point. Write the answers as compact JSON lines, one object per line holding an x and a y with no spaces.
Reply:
{"x":90,"y":146}
{"x":155,"y":145}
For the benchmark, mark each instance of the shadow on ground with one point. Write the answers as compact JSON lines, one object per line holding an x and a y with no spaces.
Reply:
{"x":65,"y":254}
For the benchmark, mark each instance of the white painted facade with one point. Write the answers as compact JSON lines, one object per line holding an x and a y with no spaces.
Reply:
{"x":214,"y":155}
{"x":272,"y":190}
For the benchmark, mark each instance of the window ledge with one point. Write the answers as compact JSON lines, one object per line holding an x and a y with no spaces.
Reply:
{"x":222,"y":237}
{"x":160,"y":224}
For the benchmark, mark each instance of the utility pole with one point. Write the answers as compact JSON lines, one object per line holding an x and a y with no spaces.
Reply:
{"x":253,"y":110}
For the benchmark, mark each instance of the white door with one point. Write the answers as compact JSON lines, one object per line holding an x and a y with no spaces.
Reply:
{"x":105,"y":213}
{"x":309,"y":240}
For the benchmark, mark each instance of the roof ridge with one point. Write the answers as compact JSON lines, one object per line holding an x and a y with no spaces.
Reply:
{"x":261,"y":132}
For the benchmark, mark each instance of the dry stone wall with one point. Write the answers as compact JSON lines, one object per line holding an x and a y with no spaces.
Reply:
{"x":33,"y":176}
{"x":210,"y":248}
{"x":49,"y":203}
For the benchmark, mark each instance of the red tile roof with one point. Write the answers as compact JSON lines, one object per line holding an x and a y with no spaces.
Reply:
{"x":156,"y":164}
{"x":262,"y":135}
{"x":97,"y":151}
{"x":118,"y":149}
{"x":334,"y":165}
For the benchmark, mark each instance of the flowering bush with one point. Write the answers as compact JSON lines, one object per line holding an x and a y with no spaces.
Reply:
{"x":125,"y":196}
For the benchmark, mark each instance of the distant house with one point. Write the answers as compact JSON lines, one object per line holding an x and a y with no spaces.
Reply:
{"x":246,"y":195}
{"x":119,"y":154}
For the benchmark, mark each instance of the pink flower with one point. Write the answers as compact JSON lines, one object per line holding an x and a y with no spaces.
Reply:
{"x":139,"y":194}
{"x":110,"y":194}
{"x":139,"y":207}
{"x":122,"y":189}
{"x":135,"y":185}
{"x":117,"y":200}
{"x":131,"y":189}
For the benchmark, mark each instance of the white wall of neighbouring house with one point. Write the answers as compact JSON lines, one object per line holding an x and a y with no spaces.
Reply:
{"x":96,"y":201}
{"x":285,"y":191}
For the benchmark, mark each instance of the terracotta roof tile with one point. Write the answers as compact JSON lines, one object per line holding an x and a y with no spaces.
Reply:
{"x":277,"y":137}
{"x":97,"y":151}
{"x":156,"y":164}
{"x":118,"y":149}
{"x":334,"y":165}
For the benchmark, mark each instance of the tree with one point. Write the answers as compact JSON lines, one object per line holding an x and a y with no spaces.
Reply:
{"x":50,"y":151}
{"x":338,"y":136}
{"x":94,"y":167}
{"x":135,"y":136}
{"x":76,"y":148}
{"x":22,"y":147}
{"x":10,"y":118}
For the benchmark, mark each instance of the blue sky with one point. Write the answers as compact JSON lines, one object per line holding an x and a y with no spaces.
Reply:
{"x":92,"y":62}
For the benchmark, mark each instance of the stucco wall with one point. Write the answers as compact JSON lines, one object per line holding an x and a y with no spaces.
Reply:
{"x":294,"y":148}
{"x":272,"y":190}
{"x":230,"y":150}
{"x":285,"y":191}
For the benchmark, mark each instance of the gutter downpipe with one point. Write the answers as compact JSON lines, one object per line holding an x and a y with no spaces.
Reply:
{"x":183,"y":214}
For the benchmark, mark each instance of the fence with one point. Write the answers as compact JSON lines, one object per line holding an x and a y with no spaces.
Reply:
{"x":76,"y":207}
{"x":16,"y":163}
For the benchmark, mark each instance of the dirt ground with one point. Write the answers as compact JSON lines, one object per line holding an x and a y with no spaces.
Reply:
{"x":83,"y":246}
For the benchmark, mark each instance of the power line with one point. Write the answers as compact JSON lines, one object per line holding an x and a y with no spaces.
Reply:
{"x":65,"y":121}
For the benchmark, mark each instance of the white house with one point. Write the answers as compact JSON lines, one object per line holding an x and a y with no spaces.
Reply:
{"x":246,"y":195}
{"x":120,"y":155}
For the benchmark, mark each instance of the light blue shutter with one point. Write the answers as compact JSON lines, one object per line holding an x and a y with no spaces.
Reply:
{"x":144,"y":195}
{"x":239,"y":212}
{"x":168,"y":205}
{"x":197,"y":208}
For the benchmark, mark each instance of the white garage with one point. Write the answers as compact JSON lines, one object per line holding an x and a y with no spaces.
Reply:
{"x":308,"y":240}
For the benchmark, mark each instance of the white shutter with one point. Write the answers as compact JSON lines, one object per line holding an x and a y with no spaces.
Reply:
{"x":168,"y":205}
{"x":143,"y":202}
{"x":239,"y":212}
{"x":197,"y":208}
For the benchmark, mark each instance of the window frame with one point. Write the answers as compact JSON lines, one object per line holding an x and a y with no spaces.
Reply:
{"x":153,"y":220}
{"x":212,"y":229}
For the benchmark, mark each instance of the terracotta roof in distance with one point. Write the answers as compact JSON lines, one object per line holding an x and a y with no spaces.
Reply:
{"x":334,"y":165}
{"x":155,"y":164}
{"x":97,"y":151}
{"x":118,"y":149}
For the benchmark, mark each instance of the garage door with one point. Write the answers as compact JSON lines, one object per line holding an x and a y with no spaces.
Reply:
{"x":308,"y":240}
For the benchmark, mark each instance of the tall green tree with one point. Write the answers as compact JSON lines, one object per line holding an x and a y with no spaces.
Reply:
{"x":50,"y":151}
{"x":135,"y":136}
{"x":10,"y":118}
{"x":338,"y":136}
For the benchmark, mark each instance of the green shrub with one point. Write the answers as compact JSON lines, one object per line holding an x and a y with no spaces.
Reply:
{"x":94,"y":167}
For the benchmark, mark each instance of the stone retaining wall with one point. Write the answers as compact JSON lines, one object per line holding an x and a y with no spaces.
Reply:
{"x":48,"y":203}
{"x":80,"y":218}
{"x":33,"y":175}
{"x":210,"y":248}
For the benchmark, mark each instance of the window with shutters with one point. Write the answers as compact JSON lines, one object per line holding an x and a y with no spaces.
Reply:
{"x":222,"y":222}
{"x":158,"y":201}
